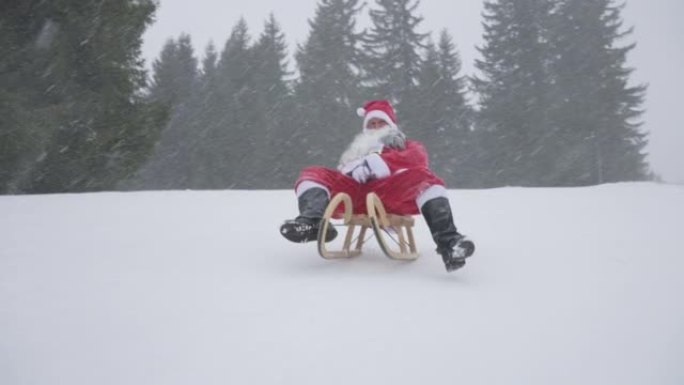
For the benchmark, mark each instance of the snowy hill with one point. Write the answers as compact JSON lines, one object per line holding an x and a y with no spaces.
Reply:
{"x":568,"y":286}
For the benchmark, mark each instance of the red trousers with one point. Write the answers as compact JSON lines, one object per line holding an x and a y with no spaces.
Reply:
{"x":398,"y":192}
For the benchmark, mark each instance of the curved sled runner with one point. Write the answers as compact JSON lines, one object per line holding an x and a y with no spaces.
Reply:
{"x":393,"y":232}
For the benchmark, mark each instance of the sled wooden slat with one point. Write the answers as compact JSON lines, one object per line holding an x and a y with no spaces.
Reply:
{"x":400,"y":224}
{"x":393,"y":220}
{"x":361,"y":238}
{"x":346,"y":251}
{"x":378,"y":220}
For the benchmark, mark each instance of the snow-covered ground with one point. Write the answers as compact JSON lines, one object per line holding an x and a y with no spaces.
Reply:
{"x":568,"y":286}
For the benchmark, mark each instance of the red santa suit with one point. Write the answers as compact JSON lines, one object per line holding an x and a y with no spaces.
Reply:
{"x":380,"y":160}
{"x":400,"y":177}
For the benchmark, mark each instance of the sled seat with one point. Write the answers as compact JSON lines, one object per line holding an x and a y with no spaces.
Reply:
{"x":393,"y":232}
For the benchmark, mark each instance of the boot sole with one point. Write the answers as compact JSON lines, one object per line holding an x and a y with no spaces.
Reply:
{"x":289,"y":232}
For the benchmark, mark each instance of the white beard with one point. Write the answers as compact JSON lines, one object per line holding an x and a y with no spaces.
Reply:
{"x":366,"y":142}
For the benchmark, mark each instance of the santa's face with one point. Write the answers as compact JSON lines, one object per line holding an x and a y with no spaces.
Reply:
{"x":376,"y":123}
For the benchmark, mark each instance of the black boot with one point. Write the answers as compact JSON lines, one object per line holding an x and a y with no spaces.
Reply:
{"x":304,"y":228}
{"x":451,"y":245}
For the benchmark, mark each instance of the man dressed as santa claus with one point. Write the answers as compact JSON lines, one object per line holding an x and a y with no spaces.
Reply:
{"x":380,"y":159}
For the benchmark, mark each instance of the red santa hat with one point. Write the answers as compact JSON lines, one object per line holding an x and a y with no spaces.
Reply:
{"x":381,"y":109}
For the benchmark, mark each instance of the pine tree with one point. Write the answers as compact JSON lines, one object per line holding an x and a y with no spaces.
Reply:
{"x":209,"y":64}
{"x":514,"y":91}
{"x":78,"y":99}
{"x":225,"y":135}
{"x":175,"y":72}
{"x":209,"y":112}
{"x":23,"y":56}
{"x":597,"y":111}
{"x":272,"y":130}
{"x":442,"y":114}
{"x":270,"y":57}
{"x":175,"y":85}
{"x":394,"y":48}
{"x":328,"y":92}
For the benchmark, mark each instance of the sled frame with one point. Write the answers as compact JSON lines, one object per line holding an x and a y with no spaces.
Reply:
{"x":377,"y":219}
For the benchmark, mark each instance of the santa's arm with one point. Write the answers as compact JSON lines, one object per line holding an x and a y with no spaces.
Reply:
{"x":413,"y":156}
{"x":391,"y":160}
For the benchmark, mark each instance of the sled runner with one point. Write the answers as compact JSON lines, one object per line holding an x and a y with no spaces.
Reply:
{"x":394,"y":233}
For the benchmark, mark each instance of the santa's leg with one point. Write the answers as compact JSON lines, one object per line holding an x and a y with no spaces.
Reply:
{"x":453,"y":246}
{"x":419,"y":190}
{"x":314,"y":187}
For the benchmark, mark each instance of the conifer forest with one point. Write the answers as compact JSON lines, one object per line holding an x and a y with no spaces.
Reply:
{"x":552,"y":102}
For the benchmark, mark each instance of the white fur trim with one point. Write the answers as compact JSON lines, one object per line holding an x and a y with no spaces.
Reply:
{"x":378,"y":166}
{"x":380,"y":115}
{"x":348,"y":167}
{"x":306,"y":185}
{"x":432,"y":192}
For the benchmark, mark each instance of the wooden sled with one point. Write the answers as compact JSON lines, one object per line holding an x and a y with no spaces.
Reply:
{"x":394,"y":233}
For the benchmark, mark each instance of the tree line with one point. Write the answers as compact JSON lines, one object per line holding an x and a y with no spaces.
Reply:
{"x":551,"y":104}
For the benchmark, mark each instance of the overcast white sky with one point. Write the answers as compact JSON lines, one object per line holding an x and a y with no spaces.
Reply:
{"x":658,"y":57}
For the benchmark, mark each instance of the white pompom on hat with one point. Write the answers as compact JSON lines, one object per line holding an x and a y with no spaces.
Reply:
{"x":381,"y":109}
